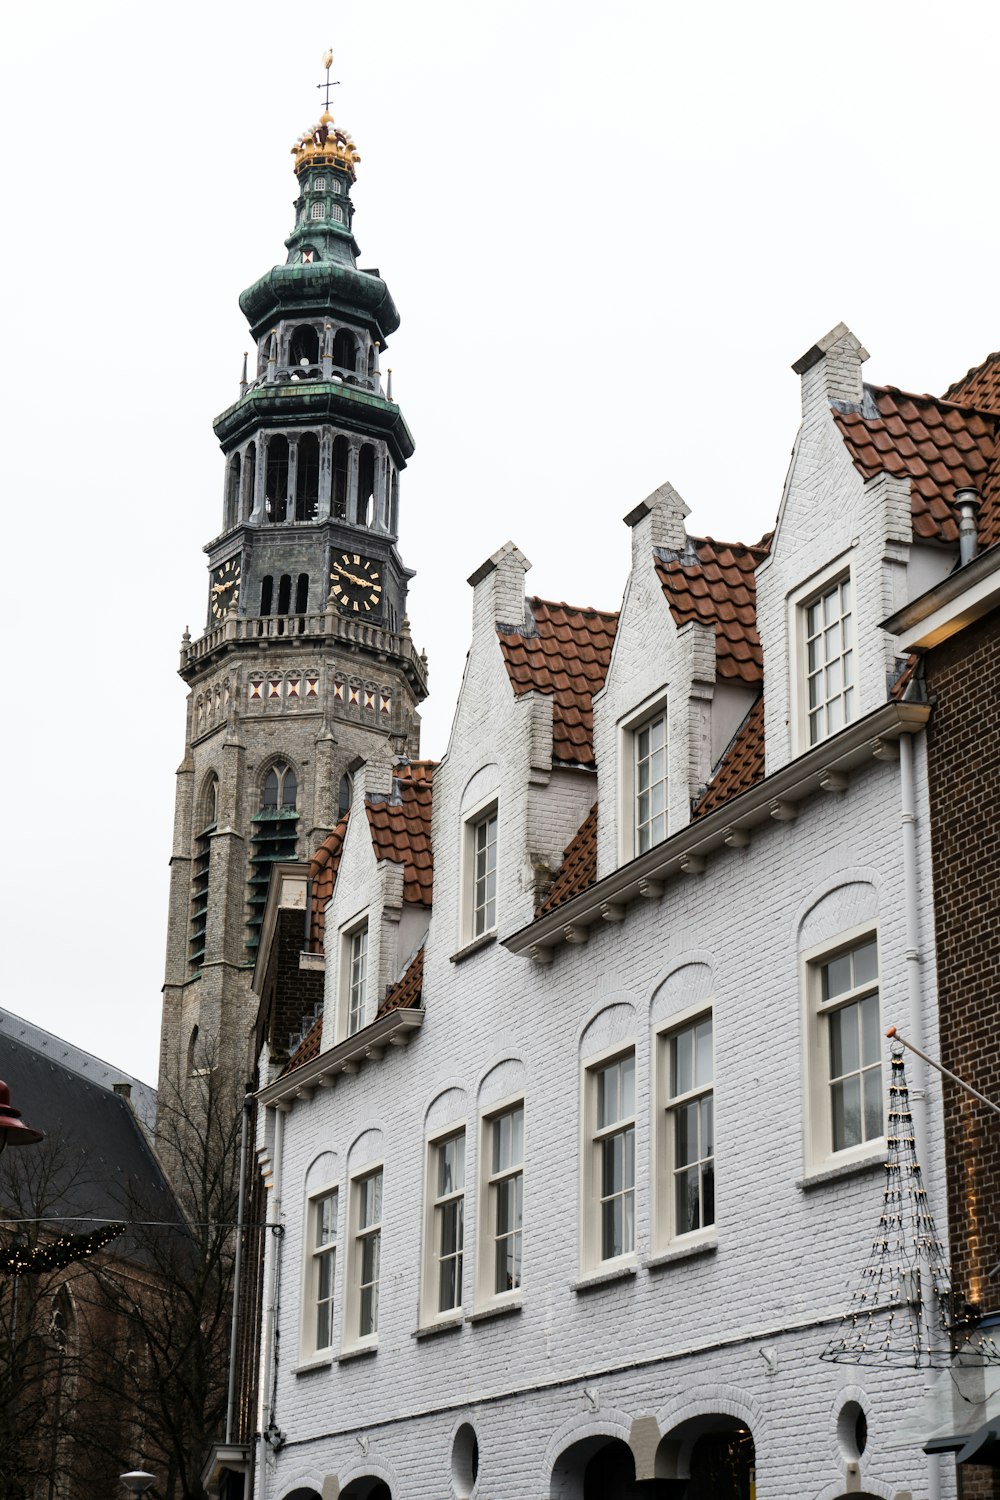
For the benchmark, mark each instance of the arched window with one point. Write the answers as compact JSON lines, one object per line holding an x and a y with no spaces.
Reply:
{"x":276,"y":502}
{"x":319,"y":185}
{"x":302,"y":594}
{"x":305,"y":346}
{"x":284,"y":594}
{"x":274,"y":838}
{"x":266,"y":594}
{"x":307,"y":478}
{"x":337,"y":214}
{"x":345,"y":794}
{"x":232,"y":513}
{"x":206,"y":825}
{"x":371,"y":360}
{"x":192,"y":1052}
{"x":318,"y":211}
{"x":365,"y":498}
{"x":345,"y":350}
{"x":249,"y":479}
{"x":394,"y":503}
{"x":341,"y":471}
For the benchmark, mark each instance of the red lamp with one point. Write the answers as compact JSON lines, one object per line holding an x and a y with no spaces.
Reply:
{"x":13,"y":1130}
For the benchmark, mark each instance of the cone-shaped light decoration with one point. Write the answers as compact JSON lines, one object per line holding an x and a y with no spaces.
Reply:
{"x":901,"y":1311}
{"x":13,"y":1130}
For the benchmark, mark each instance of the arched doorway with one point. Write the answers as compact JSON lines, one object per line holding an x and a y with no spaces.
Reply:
{"x":366,"y":1488}
{"x":602,"y":1468}
{"x":710,"y":1457}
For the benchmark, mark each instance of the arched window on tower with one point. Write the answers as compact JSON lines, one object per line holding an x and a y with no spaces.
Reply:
{"x":345,"y":794}
{"x":206,"y":824}
{"x":302,"y":594}
{"x":365,"y":500}
{"x":371,"y":361}
{"x":276,"y":502}
{"x":273,"y":839}
{"x":341,"y":471}
{"x":232,"y":511}
{"x":284,"y":594}
{"x":394,"y":503}
{"x":266,"y":594}
{"x":345,"y":351}
{"x":307,"y":478}
{"x":249,"y":479}
{"x":304,"y":350}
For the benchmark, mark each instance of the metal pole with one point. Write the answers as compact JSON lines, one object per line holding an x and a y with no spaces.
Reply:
{"x":945,"y":1072}
{"x":237,"y":1268}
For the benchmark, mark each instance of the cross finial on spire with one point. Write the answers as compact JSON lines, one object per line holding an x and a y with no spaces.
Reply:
{"x":330,"y":83}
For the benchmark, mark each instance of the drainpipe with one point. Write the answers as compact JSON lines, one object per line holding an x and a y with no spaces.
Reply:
{"x":267,"y":1350}
{"x":967,"y":505}
{"x":234,"y":1336}
{"x":914,"y":995}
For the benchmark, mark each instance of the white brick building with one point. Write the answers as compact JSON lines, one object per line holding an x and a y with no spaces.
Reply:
{"x":576,"y":1173}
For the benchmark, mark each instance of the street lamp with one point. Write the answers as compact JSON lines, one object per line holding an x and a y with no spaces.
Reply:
{"x":13,"y":1130}
{"x":137,"y":1481}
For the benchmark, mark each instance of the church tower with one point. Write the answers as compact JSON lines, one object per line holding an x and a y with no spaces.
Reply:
{"x":305,"y":662}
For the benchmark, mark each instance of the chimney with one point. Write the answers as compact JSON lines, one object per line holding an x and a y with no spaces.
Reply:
{"x":967,"y":504}
{"x":124,"y":1090}
{"x":657,"y":521}
{"x":831,"y":370}
{"x":499,"y":589}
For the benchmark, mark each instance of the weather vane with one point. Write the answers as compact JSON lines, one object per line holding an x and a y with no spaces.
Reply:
{"x":330,"y":83}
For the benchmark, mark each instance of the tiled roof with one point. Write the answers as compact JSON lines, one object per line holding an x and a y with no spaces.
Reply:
{"x":408,"y":989}
{"x":566,"y":656}
{"x":714,"y":583}
{"x":741,"y":766}
{"x":940,"y":447}
{"x":401,"y":829}
{"x":978,"y":387}
{"x":579,"y":866}
{"x":323,"y":869}
{"x":308,"y":1048}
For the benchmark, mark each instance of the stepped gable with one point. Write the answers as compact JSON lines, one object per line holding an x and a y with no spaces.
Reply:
{"x":407,"y":992}
{"x":579,"y":866}
{"x":400,"y":827}
{"x":978,"y":387}
{"x":566,"y":656}
{"x":323,"y":869}
{"x":714,"y":583}
{"x":741,"y":766}
{"x":308,"y":1048}
{"x":938,"y":446}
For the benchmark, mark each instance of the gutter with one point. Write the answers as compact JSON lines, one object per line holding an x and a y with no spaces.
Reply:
{"x":822,"y":768}
{"x":394,"y":1029}
{"x":957,"y":601}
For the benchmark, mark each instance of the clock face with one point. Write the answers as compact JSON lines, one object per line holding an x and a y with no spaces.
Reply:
{"x":356,"y":583}
{"x":225,"y":591}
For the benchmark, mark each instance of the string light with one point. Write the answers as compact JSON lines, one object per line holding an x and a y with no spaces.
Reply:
{"x":54,"y":1255}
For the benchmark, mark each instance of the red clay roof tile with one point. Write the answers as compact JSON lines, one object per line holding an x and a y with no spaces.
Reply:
{"x":579,"y":866}
{"x":741,"y":766}
{"x":978,"y":387}
{"x":323,"y":869}
{"x":566,"y":657}
{"x":714,"y":583}
{"x":401,"y":829}
{"x":938,"y":447}
{"x":408,"y":989}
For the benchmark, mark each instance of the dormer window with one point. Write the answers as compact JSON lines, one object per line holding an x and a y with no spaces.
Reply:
{"x":318,"y":211}
{"x":827,"y":625}
{"x":650,"y":749}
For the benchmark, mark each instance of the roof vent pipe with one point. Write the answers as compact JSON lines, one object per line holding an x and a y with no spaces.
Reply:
{"x":967,"y":504}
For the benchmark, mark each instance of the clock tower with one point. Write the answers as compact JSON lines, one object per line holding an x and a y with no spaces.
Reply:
{"x":305,"y":662}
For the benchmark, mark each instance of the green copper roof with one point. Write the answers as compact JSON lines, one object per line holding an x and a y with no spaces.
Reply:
{"x":320,"y":287}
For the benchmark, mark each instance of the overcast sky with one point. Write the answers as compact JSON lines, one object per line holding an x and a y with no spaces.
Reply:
{"x":609,"y":231}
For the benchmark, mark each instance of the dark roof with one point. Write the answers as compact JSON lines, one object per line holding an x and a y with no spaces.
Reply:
{"x":96,"y":1157}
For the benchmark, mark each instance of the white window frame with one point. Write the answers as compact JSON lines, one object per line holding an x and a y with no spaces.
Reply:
{"x":349,"y":934}
{"x":319,"y":184}
{"x":821,"y":583}
{"x":310,"y":1347}
{"x":435,"y":1202}
{"x":664,"y":1103}
{"x":820,"y":1151}
{"x":471,"y":823}
{"x":317,"y":210}
{"x":629,"y":729}
{"x":336,"y":213}
{"x":359,"y":1234}
{"x":592,"y":1257}
{"x":488,"y":1180}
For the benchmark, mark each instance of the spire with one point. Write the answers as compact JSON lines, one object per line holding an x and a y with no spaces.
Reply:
{"x":325,"y":159}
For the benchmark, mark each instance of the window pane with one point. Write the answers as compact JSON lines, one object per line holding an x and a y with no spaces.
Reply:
{"x":844,"y":1041}
{"x":703,"y":1052}
{"x":871,"y":1039}
{"x":686,"y":1134}
{"x":687,"y":1204}
{"x":324,"y":1287}
{"x":682,"y":1070}
{"x":846,"y":1099}
{"x":707,"y":1124}
{"x":324,"y":1330}
{"x":708,"y":1194}
{"x":627,"y":1073}
{"x":837,"y":976}
{"x":517,"y":1136}
{"x":865,"y":963}
{"x":873,"y":1103}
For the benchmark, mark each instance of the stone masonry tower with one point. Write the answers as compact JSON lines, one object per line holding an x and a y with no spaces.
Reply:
{"x":306,"y":660}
